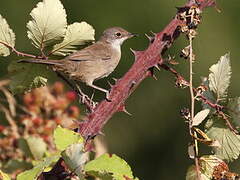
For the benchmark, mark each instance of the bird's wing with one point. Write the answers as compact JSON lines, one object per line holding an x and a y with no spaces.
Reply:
{"x":95,"y":52}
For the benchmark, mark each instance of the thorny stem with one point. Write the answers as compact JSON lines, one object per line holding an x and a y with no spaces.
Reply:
{"x":193,"y":106}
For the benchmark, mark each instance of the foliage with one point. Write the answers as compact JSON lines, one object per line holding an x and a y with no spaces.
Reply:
{"x":43,"y":131}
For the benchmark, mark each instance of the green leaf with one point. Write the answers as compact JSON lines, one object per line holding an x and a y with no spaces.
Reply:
{"x":25,"y":77}
{"x":48,"y":24}
{"x":64,"y":137}
{"x":33,"y":173}
{"x":208,"y":94}
{"x":77,"y":34}
{"x":234,"y":109}
{"x":109,"y":167}
{"x":37,"y":146}
{"x":4,"y":176}
{"x":229,"y":142}
{"x":75,"y":158}
{"x":219,"y":77}
{"x":7,"y":37}
{"x":23,"y":145}
{"x":14,"y":165}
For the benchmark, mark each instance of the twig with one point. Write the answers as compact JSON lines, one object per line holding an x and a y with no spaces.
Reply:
{"x":18,"y":52}
{"x":193,"y":106}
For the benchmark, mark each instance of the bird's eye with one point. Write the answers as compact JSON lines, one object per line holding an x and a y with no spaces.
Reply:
{"x":118,"y":34}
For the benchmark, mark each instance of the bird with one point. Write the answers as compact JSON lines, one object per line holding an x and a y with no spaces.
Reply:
{"x":93,"y":62}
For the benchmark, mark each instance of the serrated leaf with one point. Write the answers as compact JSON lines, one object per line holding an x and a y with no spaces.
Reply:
{"x":25,"y":77}
{"x":207,"y":166}
{"x":33,"y":173}
{"x":37,"y":146}
{"x":109,"y":167}
{"x":234,"y":109}
{"x":4,"y":176}
{"x":219,"y":77}
{"x":75,"y":158}
{"x":77,"y":34}
{"x":64,"y":137}
{"x":7,"y":36}
{"x":230,"y":142}
{"x":200,"y":116}
{"x":48,"y":24}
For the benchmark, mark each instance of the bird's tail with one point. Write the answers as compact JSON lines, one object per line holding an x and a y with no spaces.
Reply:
{"x":40,"y":61}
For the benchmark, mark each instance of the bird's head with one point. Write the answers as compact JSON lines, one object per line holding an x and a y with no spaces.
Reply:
{"x":116,"y":35}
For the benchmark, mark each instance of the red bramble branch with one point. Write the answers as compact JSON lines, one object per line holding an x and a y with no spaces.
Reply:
{"x":145,"y":61}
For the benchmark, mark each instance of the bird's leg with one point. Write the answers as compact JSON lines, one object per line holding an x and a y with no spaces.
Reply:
{"x":100,"y":89}
{"x":77,"y":89}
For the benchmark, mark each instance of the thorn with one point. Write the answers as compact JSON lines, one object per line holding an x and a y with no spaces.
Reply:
{"x":136,"y":53}
{"x":115,"y":79}
{"x":150,"y":38}
{"x":101,"y":133}
{"x":151,"y":73}
{"x":153,"y":33}
{"x":110,"y":84}
{"x":156,"y":66}
{"x":133,"y":51}
{"x":122,"y":108}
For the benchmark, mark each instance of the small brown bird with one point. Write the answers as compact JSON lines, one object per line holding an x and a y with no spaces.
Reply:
{"x":93,"y":62}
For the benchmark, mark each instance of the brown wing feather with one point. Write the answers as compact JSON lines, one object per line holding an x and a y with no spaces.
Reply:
{"x":95,"y":52}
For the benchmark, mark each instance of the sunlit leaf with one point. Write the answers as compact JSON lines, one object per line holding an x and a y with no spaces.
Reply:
{"x":77,"y":34}
{"x":48,"y":24}
{"x":109,"y":167}
{"x":234,"y":109}
{"x":64,"y":137}
{"x":75,"y":158}
{"x":25,"y":77}
{"x":33,"y":173}
{"x":37,"y":146}
{"x":7,"y":37}
{"x":229,"y":142}
{"x":207,"y":165}
{"x":200,"y":116}
{"x":4,"y":176}
{"x":219,"y":77}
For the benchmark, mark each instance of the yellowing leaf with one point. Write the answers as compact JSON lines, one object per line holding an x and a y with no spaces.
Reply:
{"x":77,"y":34}
{"x":192,"y":174}
{"x":229,"y":148}
{"x":107,"y":166}
{"x":207,"y":166}
{"x":219,"y":77}
{"x":48,"y":24}
{"x":37,"y":146}
{"x":33,"y":173}
{"x":200,"y":116}
{"x":234,"y":109}
{"x":4,"y":176}
{"x":64,"y":137}
{"x":7,"y":36}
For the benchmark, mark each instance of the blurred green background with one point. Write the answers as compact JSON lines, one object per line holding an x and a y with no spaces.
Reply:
{"x":154,"y":139}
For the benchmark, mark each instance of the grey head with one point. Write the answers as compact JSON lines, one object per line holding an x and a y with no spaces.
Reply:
{"x":116,"y":35}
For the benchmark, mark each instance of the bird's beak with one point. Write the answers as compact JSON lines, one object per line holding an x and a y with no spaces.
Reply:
{"x":132,"y":35}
